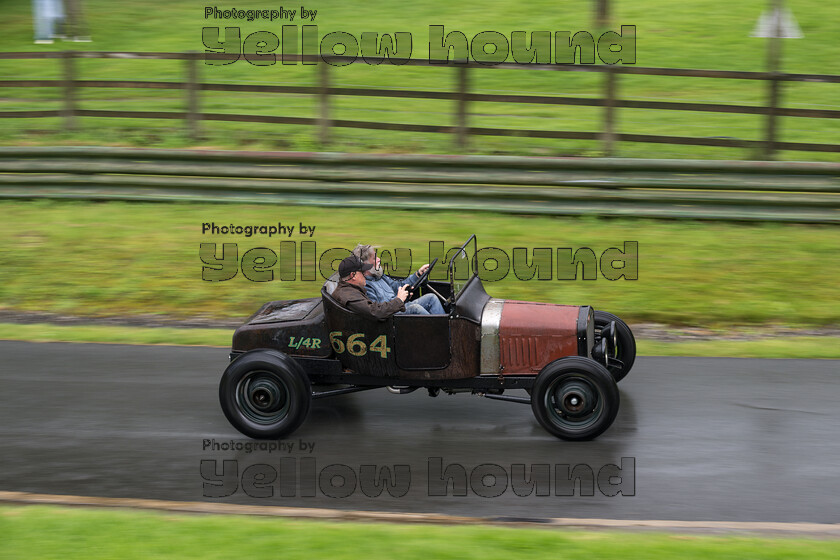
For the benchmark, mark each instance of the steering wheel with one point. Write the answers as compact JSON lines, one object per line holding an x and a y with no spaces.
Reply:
{"x":423,"y":278}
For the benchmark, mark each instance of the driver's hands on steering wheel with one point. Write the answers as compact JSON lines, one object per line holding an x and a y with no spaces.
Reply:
{"x":422,"y":269}
{"x":422,"y":278}
{"x":402,"y":293}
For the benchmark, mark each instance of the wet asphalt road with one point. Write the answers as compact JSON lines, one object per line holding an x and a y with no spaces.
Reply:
{"x":696,"y":439}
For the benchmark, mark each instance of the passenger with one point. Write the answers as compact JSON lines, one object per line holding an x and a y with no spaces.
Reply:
{"x":350,"y":292}
{"x":381,"y":287}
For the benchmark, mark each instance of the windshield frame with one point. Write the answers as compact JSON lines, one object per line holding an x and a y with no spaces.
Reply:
{"x":450,"y":269}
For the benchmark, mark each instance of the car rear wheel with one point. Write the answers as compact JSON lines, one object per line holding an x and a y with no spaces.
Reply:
{"x":575,"y":398}
{"x":625,"y":343}
{"x":265,"y":394}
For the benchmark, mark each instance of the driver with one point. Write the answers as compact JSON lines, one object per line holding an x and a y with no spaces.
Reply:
{"x":381,"y":288}
{"x":350,"y":292}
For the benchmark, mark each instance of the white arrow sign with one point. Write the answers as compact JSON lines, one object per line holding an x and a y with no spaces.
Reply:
{"x":780,"y":23}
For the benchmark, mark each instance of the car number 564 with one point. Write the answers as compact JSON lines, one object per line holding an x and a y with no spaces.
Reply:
{"x":356,"y":345}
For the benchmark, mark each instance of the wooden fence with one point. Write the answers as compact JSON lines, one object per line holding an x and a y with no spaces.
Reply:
{"x":461,"y":97}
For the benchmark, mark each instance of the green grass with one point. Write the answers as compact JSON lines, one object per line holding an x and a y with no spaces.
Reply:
{"x":700,"y":34}
{"x":36,"y":532}
{"x":806,"y":347}
{"x":47,"y":332}
{"x":789,"y":347}
{"x":108,"y":259}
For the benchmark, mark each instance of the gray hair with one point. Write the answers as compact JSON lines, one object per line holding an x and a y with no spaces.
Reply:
{"x":364,"y":252}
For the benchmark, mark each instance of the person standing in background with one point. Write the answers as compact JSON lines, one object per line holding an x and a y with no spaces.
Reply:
{"x":48,"y":18}
{"x":58,"y":19}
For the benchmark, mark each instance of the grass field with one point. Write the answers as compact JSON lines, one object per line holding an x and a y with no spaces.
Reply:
{"x":701,"y":34}
{"x":108,"y":259}
{"x":41,"y":532}
{"x":811,"y":347}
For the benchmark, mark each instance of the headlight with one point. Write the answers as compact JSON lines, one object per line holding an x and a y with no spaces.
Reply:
{"x":600,"y":352}
{"x":610,"y":335}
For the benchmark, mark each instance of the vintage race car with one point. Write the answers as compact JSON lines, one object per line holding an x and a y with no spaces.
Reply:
{"x":566,"y":358}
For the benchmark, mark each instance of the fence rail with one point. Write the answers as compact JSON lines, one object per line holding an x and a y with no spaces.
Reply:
{"x":460,"y":96}
{"x":728,"y":190}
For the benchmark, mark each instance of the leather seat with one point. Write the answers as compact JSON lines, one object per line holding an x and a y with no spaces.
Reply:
{"x":331,"y":283}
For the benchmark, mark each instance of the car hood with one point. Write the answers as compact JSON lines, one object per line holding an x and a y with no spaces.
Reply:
{"x":522,"y":337}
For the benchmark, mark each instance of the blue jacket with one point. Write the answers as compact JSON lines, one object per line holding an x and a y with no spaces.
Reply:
{"x":385,"y":288}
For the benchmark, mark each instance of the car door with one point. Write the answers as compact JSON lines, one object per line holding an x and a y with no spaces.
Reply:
{"x":361,"y":344}
{"x":421,"y":342}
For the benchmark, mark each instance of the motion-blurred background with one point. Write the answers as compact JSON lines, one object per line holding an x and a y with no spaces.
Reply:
{"x":766,"y":260}
{"x":701,"y":35}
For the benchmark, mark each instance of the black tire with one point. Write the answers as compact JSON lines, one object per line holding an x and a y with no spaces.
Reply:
{"x":625,"y":343}
{"x":575,"y":398}
{"x":265,"y":394}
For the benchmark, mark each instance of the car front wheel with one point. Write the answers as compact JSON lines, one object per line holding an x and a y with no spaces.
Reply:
{"x":575,"y":398}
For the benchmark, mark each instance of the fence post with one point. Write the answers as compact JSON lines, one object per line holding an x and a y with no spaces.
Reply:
{"x":774,"y":59}
{"x":608,"y":136}
{"x":191,"y":87}
{"x":602,"y":13}
{"x":773,"y":95}
{"x":461,"y":131}
{"x":323,"y":102}
{"x":69,"y":76}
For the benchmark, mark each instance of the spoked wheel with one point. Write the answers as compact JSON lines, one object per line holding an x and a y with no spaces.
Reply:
{"x":264,"y":394}
{"x":621,"y":338}
{"x":575,"y":398}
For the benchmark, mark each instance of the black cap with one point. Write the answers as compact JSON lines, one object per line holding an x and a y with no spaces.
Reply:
{"x":352,"y":264}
